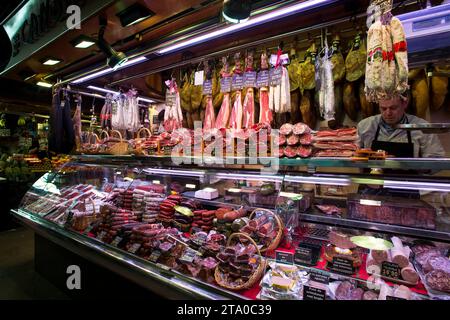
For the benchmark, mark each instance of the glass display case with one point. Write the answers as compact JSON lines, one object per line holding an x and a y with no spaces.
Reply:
{"x":314,"y":229}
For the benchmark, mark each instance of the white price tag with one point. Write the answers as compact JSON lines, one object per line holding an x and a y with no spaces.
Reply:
{"x":284,"y":58}
{"x":198,"y":79}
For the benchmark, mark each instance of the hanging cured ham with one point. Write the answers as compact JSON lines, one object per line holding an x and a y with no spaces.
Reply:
{"x":307,"y":69}
{"x":355,"y":63}
{"x":249,"y":101}
{"x":439,"y":89}
{"x":173,"y":116}
{"x":337,"y":60}
{"x":133,"y":122}
{"x":106,"y":113}
{"x":223,"y":116}
{"x":265,"y":111}
{"x":324,"y":85}
{"x":77,"y":123}
{"x":210,"y":120}
{"x":236,"y":112}
{"x":350,"y":101}
{"x":420,"y":95}
{"x":307,"y":110}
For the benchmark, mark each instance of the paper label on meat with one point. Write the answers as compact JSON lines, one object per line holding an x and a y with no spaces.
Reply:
{"x":250,"y":79}
{"x":275,"y":76}
{"x":225,"y":85}
{"x":237,"y":82}
{"x":262,"y":79}
{"x":171,"y":99}
{"x":198,"y":78}
{"x":207,"y":87}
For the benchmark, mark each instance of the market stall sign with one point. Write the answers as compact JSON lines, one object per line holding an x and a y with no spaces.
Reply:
{"x":225,"y":85}
{"x":237,"y":82}
{"x":303,"y":255}
{"x":249,"y":79}
{"x":319,"y":277}
{"x":342,"y":265}
{"x":275,"y":76}
{"x":284,"y":257}
{"x":262,"y":79}
{"x":312,"y":293}
{"x":40,"y":22}
{"x":207,"y":87}
{"x":390,"y":270}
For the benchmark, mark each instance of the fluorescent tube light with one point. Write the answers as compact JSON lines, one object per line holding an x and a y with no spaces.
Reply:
{"x":146,"y":100}
{"x":102,"y":90}
{"x":413,"y":185}
{"x":310,"y":4}
{"x":175,"y":172}
{"x":44,"y":84}
{"x":51,"y":62}
{"x":234,"y":176}
{"x":109,"y":70}
{"x":319,"y":180}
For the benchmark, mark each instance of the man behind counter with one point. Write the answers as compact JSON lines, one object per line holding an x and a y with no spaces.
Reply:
{"x":377,"y":133}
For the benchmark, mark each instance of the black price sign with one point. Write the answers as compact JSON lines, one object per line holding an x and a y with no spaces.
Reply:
{"x":275,"y":76}
{"x":225,"y":85}
{"x":390,"y":270}
{"x":237,"y":82}
{"x":250,"y":79}
{"x":311,"y":293}
{"x":155,"y":256}
{"x":207,"y":87}
{"x":134,"y":248}
{"x":116,"y":241}
{"x":393,"y":298}
{"x":342,"y":265}
{"x":262,"y":79}
{"x":319,"y":277}
{"x":284,"y":257}
{"x":303,"y":255}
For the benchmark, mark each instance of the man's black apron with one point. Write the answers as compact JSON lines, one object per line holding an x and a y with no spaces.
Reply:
{"x":399,"y":150}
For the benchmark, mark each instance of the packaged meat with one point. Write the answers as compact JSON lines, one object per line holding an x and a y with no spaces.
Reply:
{"x":438,"y":280}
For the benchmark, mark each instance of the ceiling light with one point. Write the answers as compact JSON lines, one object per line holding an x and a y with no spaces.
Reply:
{"x":51,"y":61}
{"x":44,"y":84}
{"x":114,"y":59}
{"x":134,"y":14}
{"x":236,"y":11}
{"x":273,"y":15}
{"x":146,"y":100}
{"x":106,"y":71}
{"x":82,"y":42}
{"x":102,"y":90}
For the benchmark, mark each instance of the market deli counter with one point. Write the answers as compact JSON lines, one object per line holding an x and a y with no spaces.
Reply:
{"x":316,"y":229}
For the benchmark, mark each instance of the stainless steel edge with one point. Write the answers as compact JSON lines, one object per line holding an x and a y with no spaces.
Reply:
{"x":169,"y":284}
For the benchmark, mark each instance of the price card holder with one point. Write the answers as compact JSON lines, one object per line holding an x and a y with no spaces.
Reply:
{"x":284,"y":257}
{"x":390,"y":270}
{"x":312,"y":293}
{"x":225,"y":85}
{"x":155,"y":256}
{"x":198,"y":78}
{"x":249,"y":79}
{"x":342,"y":265}
{"x":116,"y":241}
{"x":207,"y":87}
{"x":262,"y":79}
{"x":275,"y":76}
{"x":237,"y":82}
{"x":134,"y":248}
{"x":303,"y":255}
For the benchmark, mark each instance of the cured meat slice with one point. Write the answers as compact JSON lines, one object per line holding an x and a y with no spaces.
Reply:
{"x":286,"y":129}
{"x":301,"y":128}
{"x":290,"y":152}
{"x":292,"y":140}
{"x":306,"y":139}
{"x":334,"y":153}
{"x":336,"y":145}
{"x":304,"y":152}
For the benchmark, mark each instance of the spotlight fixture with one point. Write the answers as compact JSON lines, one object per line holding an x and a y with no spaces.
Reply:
{"x":82,"y":42}
{"x":50,"y":61}
{"x":236,"y":11}
{"x":114,"y":59}
{"x":44,"y":84}
{"x":134,"y":14}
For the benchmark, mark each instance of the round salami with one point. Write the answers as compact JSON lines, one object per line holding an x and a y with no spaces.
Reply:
{"x":290,"y":152}
{"x":306,"y":139}
{"x":301,"y":128}
{"x":292,"y":140}
{"x":304,"y":152}
{"x":281,"y":140}
{"x":286,"y":129}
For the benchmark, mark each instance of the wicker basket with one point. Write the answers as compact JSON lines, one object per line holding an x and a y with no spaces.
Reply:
{"x":106,"y":134}
{"x":139,"y":141}
{"x":89,"y":147}
{"x":255,"y":277}
{"x":276,"y":242}
{"x":119,"y":148}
